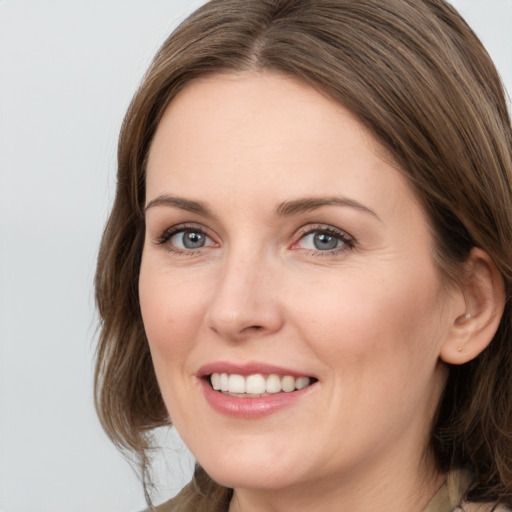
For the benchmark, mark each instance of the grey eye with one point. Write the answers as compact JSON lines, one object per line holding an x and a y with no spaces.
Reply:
{"x":325,"y":241}
{"x":189,"y":240}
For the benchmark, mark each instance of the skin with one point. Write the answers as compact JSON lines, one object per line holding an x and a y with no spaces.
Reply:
{"x":367,"y":319}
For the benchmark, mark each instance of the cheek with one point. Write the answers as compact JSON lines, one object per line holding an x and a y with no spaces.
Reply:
{"x":172,"y":310}
{"x":367,"y":318}
{"x":380,"y":344}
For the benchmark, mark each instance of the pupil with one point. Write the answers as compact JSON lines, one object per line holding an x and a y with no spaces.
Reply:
{"x":324,"y":242}
{"x":192,"y":240}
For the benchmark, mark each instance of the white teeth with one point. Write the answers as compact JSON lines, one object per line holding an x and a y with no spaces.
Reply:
{"x":236,"y":384}
{"x":288,"y":383}
{"x":273,"y":384}
{"x":223,"y":382}
{"x":215,"y":379}
{"x":257,"y":384}
{"x":301,"y":382}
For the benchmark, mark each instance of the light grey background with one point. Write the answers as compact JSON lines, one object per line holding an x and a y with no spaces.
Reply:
{"x":67,"y":72}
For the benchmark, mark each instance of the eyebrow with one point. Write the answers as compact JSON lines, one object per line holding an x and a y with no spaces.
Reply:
{"x":307,"y":204}
{"x":181,"y":203}
{"x":284,"y":209}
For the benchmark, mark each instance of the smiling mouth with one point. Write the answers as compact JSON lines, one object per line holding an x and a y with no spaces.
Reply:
{"x":257,"y":385}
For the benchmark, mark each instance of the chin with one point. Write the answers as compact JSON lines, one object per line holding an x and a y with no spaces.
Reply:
{"x":251,"y":476}
{"x":246,"y":470}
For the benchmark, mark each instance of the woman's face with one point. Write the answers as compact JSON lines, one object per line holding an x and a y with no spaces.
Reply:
{"x":282,"y":251}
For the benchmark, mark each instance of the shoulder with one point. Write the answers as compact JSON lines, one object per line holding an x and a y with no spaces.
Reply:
{"x":201,"y":494}
{"x":165,"y":507}
{"x":481,"y":507}
{"x":182,"y":502}
{"x":185,"y":501}
{"x":173,"y":505}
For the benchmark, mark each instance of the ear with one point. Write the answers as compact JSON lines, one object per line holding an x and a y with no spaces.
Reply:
{"x":484,"y":295}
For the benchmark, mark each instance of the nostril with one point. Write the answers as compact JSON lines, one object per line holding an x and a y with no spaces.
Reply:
{"x":253,"y":328}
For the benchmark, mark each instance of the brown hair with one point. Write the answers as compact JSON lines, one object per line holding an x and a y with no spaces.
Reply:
{"x":420,"y":80}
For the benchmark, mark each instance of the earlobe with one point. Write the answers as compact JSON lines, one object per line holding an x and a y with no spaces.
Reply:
{"x":474,"y":328}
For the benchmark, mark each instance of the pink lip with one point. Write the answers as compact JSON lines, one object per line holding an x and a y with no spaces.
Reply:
{"x":249,"y":408}
{"x":247,"y":369}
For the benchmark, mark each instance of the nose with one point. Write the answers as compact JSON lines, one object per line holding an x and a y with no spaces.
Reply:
{"x":245,"y":301}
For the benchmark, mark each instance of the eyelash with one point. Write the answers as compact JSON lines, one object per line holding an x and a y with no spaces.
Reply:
{"x":346,"y":240}
{"x":165,"y":238}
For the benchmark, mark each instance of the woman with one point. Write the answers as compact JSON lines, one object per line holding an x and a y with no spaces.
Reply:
{"x":308,"y":263}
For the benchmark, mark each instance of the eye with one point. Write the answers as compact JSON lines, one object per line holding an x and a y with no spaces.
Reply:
{"x":323,"y":239}
{"x":185,"y":239}
{"x":190,"y":239}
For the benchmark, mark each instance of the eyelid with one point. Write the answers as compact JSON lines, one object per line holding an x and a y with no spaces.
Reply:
{"x":168,"y":233}
{"x":347,"y":239}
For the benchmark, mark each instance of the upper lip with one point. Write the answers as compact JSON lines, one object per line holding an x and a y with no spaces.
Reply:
{"x":249,"y":368}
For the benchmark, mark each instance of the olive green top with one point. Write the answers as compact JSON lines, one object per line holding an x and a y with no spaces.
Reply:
{"x":450,"y":496}
{"x":203,"y":494}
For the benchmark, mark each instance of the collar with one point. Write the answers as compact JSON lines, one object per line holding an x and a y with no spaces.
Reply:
{"x":450,"y":496}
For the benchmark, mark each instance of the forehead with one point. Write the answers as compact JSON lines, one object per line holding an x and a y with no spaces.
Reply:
{"x":250,"y":109}
{"x":264,"y":135}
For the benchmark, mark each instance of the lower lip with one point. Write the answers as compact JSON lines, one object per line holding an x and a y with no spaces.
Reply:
{"x":251,"y":408}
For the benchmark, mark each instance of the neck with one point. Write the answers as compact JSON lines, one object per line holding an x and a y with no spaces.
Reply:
{"x":404,"y":489}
